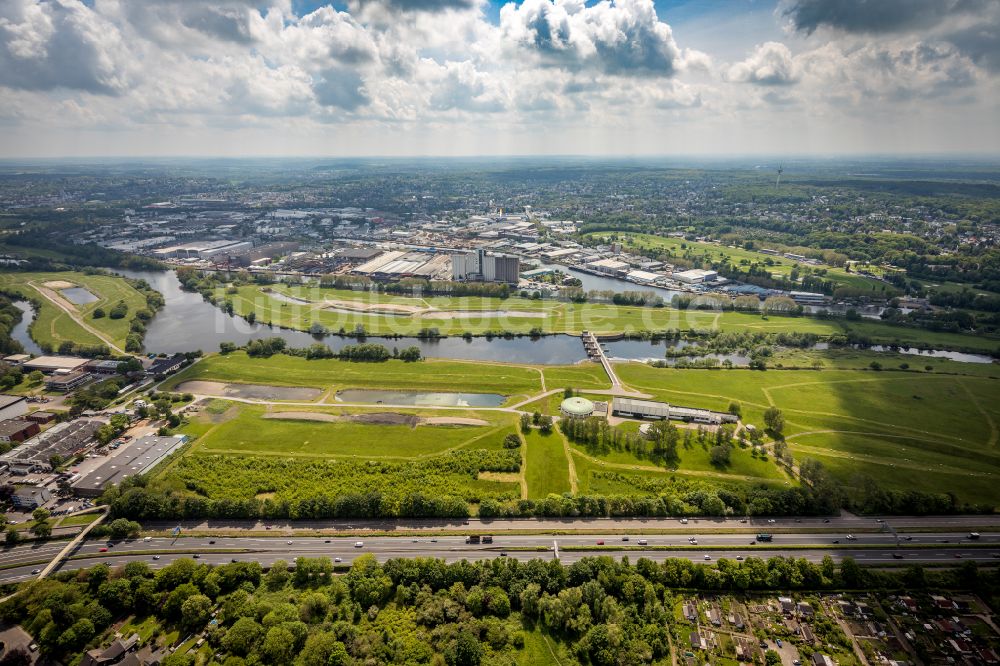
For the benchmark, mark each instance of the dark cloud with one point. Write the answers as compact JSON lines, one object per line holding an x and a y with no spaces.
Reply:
{"x":69,"y":49}
{"x":625,"y":39}
{"x":877,"y":16}
{"x":341,"y":88}
{"x":228,"y":23}
{"x":980,"y":43}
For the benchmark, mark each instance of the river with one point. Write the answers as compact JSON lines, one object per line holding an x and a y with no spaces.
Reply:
{"x":187,"y":323}
{"x":20,"y":330}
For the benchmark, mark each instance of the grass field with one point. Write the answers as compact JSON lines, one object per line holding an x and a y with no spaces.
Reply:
{"x":333,"y":375}
{"x":248,"y":433}
{"x":299,"y":307}
{"x":546,"y":467}
{"x":931,"y":431}
{"x":739,"y":257}
{"x":53,"y":324}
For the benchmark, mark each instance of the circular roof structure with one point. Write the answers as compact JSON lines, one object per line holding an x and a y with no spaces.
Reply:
{"x":576,"y":407}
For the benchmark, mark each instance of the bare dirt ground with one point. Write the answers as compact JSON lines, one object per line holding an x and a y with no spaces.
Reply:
{"x":249,"y":391}
{"x":378,"y":418}
{"x":59,"y":284}
{"x":449,"y":420}
{"x":303,"y":416}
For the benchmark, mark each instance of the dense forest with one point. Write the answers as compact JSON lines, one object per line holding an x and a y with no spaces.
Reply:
{"x":604,"y":612}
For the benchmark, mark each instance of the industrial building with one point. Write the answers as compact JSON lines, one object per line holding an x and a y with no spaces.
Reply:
{"x":12,"y":406}
{"x":660,"y":411}
{"x":17,"y":430}
{"x":64,"y":439}
{"x":612,"y":267}
{"x":485,"y":267}
{"x":398,"y":264}
{"x":203,"y":249}
{"x":137,"y":458}
{"x":696,"y":276}
{"x":50,"y":364}
{"x":67,"y":381}
{"x":30,"y":497}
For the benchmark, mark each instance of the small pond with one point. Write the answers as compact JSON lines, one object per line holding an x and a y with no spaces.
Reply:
{"x":374,"y":397}
{"x":78,"y":295}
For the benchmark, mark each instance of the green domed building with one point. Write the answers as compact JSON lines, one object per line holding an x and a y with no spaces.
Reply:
{"x":576,"y":408}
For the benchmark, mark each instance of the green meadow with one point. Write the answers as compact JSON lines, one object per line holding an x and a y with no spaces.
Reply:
{"x":53,"y":325}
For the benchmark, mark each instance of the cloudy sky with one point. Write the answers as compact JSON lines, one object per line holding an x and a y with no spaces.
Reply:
{"x":488,"y":77}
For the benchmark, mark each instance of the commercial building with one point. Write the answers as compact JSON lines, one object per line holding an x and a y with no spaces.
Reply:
{"x":660,"y":411}
{"x":486,"y":267}
{"x":576,"y":408}
{"x":808,"y":298}
{"x":50,"y":364}
{"x":30,"y":497}
{"x":137,"y":458}
{"x":67,"y":381}
{"x":17,"y":430}
{"x":12,"y":406}
{"x":696,"y":276}
{"x":166,"y":365}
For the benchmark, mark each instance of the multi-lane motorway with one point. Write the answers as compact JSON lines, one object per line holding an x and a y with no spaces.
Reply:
{"x":872,"y":548}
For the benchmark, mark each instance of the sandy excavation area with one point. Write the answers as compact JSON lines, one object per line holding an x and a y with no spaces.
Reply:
{"x":249,"y":391}
{"x":378,"y":418}
{"x":58,"y":284}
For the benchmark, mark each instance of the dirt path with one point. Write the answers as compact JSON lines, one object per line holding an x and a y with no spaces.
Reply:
{"x":994,"y":432}
{"x":68,"y":308}
{"x":569,"y":461}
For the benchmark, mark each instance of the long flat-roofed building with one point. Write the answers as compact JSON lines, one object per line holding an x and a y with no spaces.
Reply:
{"x":49,"y":364}
{"x":137,"y":458}
{"x":12,"y":406}
{"x":661,"y":411}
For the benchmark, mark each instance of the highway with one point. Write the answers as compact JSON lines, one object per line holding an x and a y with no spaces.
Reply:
{"x":867,"y":548}
{"x":845,"y":522}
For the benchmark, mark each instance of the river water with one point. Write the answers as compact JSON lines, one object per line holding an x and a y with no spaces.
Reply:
{"x":187,"y":323}
{"x":20,"y":330}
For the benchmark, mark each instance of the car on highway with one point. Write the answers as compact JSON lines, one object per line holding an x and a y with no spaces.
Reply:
{"x":897,"y":556}
{"x":197,"y":556}
{"x":156,"y":557}
{"x":600,"y":542}
{"x":778,"y":642}
{"x":693,"y":541}
{"x":234,"y":560}
{"x":708,"y":557}
{"x":211,"y":541}
{"x":958,"y":556}
{"x":327,"y":541}
{"x":642,"y":542}
{"x":103,"y":550}
{"x":35,"y":572}
{"x":770,"y":520}
{"x":624,"y":538}
{"x":503,"y":553}
{"x":359,"y":544}
{"x":684,"y":521}
{"x":739,"y":558}
{"x":338,"y":560}
{"x":836,"y":540}
{"x":851,"y":537}
{"x":148,"y":539}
